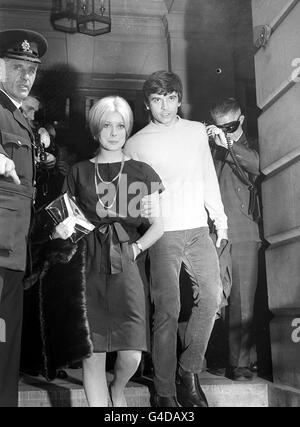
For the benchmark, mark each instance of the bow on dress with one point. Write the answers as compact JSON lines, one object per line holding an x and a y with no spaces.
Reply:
{"x":114,"y":234}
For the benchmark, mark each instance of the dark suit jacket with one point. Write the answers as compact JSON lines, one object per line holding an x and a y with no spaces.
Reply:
{"x":16,"y":140}
{"x":235,"y":194}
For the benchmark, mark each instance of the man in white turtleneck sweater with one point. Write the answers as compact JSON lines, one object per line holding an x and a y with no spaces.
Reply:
{"x":179,"y":152}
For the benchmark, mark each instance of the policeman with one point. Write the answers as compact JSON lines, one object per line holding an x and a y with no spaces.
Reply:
{"x":20,"y":53}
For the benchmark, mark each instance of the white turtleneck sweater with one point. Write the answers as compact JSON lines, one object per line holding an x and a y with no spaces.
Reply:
{"x":181,"y":156}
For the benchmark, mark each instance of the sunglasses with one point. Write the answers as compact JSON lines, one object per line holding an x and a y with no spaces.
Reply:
{"x":230,"y":127}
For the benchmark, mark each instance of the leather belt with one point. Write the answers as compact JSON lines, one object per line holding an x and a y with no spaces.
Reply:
{"x":21,"y":190}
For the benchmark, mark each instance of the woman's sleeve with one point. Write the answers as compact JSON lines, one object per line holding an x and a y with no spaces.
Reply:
{"x":152,"y":180}
{"x":69,"y":184}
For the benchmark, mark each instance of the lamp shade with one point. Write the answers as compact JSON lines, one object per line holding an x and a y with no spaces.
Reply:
{"x":64,"y":16}
{"x":91,"y":17}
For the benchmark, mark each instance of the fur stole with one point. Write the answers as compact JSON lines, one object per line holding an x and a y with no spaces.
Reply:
{"x":63,"y":318}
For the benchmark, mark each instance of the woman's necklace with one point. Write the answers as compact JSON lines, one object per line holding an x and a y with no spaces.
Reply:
{"x":118,"y":176}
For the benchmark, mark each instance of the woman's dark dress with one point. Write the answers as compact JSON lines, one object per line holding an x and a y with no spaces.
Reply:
{"x":114,"y":290}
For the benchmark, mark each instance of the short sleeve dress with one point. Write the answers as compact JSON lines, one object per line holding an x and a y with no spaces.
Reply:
{"x":115,"y":299}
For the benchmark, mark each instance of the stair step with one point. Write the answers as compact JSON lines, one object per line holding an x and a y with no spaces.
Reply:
{"x":37,"y":392}
{"x":220,"y":392}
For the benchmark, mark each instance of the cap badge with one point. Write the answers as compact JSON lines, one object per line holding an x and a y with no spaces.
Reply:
{"x":26,"y":46}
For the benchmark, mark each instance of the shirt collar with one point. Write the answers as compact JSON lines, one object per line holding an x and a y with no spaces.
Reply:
{"x":17,"y":104}
{"x":240,"y":136}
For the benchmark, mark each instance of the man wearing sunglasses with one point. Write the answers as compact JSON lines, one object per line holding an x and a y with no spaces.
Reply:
{"x":237,"y":165}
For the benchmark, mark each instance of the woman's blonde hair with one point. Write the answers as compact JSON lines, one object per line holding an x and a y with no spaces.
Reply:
{"x":98,"y":112}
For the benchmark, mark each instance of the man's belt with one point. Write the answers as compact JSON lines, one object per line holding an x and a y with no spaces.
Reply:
{"x":19,"y":190}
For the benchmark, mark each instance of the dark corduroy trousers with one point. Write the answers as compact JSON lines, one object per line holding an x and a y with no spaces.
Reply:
{"x":196,"y":249}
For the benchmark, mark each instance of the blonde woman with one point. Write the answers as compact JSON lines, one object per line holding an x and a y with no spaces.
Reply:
{"x":109,"y":189}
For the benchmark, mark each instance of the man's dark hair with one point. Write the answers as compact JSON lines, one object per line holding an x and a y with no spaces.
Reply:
{"x":162,"y":83}
{"x":225,"y":106}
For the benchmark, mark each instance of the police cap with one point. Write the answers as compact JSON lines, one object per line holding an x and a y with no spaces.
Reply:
{"x":21,"y":44}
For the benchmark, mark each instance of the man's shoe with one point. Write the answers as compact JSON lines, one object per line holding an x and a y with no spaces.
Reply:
{"x":189,"y":391}
{"x":165,"y":401}
{"x":61,"y":374}
{"x":30,"y":372}
{"x":240,"y":373}
{"x":253,"y":367}
{"x":220,"y":372}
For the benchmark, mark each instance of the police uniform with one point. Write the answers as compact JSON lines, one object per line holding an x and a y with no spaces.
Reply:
{"x":16,"y":142}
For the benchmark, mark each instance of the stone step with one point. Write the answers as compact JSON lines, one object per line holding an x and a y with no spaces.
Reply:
{"x":37,"y":392}
{"x":220,"y":392}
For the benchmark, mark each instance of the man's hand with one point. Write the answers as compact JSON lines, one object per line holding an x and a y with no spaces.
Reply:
{"x":63,"y":167}
{"x":150,"y":206}
{"x":44,"y":137}
{"x":8,"y":169}
{"x":49,"y":163}
{"x":222,"y":234}
{"x":218,"y":135}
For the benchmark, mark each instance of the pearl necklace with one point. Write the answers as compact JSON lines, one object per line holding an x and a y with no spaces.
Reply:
{"x":118,"y":176}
